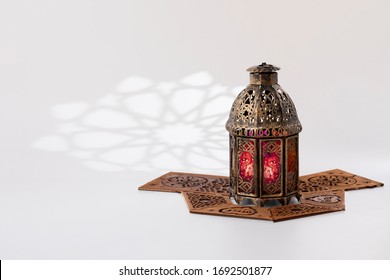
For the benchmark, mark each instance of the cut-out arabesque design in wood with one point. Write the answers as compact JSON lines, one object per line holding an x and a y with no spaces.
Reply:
{"x":208,"y":194}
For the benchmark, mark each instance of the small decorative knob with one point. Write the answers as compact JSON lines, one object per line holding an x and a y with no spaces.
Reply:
{"x":263,"y":68}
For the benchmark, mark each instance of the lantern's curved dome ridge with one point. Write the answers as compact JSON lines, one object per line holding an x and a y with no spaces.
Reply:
{"x":263,"y":111}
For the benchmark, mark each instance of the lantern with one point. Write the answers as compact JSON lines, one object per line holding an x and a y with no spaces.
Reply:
{"x":263,"y":128}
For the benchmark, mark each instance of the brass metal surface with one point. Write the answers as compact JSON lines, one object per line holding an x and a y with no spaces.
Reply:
{"x":263,"y":113}
{"x":263,"y":109}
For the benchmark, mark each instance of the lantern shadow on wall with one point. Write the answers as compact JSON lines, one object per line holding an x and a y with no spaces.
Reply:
{"x":144,"y":125}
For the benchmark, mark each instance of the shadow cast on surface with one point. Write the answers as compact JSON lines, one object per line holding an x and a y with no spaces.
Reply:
{"x":143,"y":126}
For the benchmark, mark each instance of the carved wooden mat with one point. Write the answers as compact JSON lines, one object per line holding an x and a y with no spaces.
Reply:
{"x":208,"y":194}
{"x":335,"y":179}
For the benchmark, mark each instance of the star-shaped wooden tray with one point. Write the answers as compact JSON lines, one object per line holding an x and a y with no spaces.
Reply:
{"x":208,"y":194}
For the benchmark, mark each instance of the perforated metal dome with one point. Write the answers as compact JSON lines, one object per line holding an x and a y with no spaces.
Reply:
{"x":263,"y":108}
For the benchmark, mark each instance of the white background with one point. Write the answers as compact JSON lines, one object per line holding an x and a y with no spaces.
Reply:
{"x":100,"y":97}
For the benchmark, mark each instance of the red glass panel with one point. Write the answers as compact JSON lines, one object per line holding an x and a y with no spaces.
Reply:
{"x":246,"y":166}
{"x":271,"y":167}
{"x":271,"y":161}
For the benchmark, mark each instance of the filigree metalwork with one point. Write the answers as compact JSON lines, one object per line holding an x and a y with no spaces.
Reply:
{"x":292,"y":164}
{"x":264,"y":114}
{"x":233,"y":165}
{"x":263,"y":111}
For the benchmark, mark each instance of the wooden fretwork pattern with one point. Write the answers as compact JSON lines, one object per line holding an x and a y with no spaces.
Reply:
{"x":232,"y":210}
{"x":335,"y":179}
{"x":208,"y":194}
{"x":329,"y":198}
{"x":299,"y":210}
{"x":178,"y":182}
{"x":197,"y":200}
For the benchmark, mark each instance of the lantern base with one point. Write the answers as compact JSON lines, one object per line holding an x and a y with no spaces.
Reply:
{"x":208,"y":194}
{"x":268,"y":202}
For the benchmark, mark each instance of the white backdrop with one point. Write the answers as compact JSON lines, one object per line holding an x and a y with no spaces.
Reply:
{"x":99,"y":97}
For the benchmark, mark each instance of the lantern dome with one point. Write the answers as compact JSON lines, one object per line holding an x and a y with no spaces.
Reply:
{"x":263,"y":108}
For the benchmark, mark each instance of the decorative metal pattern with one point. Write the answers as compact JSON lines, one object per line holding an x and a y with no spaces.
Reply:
{"x":292,"y":164}
{"x":232,"y":161}
{"x":246,"y":167}
{"x":271,"y":156}
{"x":263,"y":111}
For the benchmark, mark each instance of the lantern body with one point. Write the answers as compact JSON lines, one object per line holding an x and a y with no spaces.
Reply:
{"x":263,"y":127}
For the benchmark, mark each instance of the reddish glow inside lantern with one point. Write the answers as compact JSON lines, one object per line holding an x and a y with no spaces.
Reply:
{"x":271,"y":161}
{"x":246,"y":166}
{"x":271,"y":168}
{"x":263,"y":126}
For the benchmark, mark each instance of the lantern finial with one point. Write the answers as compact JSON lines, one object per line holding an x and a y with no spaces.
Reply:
{"x":263,"y":68}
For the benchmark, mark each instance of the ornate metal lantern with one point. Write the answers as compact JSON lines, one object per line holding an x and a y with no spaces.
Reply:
{"x":263,"y":125}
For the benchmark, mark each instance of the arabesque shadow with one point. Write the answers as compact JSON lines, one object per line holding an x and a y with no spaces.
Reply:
{"x":143,"y":125}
